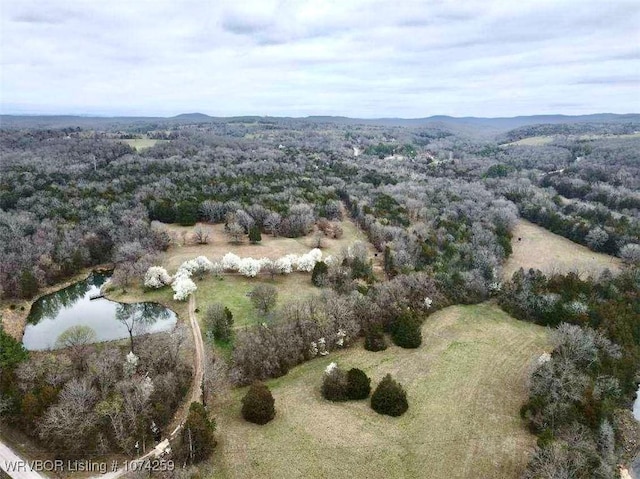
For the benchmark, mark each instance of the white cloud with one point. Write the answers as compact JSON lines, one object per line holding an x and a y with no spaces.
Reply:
{"x":358,"y":58}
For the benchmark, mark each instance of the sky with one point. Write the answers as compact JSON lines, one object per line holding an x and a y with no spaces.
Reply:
{"x":357,"y":58}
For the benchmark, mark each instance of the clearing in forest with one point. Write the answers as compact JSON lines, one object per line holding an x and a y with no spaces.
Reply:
{"x":532,"y":141}
{"x":184,"y":245}
{"x":538,"y":248}
{"x":465,"y":386}
{"x":141,"y":143}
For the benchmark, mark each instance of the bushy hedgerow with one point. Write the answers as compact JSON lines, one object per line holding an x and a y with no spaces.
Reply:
{"x":358,"y":384}
{"x":406,"y":332}
{"x":258,"y":404}
{"x":389,"y":398}
{"x":374,"y":340}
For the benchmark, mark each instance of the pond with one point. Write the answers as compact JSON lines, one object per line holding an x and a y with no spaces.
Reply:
{"x":54,"y":313}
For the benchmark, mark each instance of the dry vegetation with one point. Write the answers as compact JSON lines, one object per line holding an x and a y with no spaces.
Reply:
{"x":184,"y":245}
{"x":141,"y":143}
{"x":538,"y":248}
{"x":465,"y":386}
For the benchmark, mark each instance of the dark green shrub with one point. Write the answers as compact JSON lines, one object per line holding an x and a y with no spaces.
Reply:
{"x":254,"y":235}
{"x":196,"y":441}
{"x":218,"y":322}
{"x":319,"y":275}
{"x":335,"y":384}
{"x":406,"y":331}
{"x":545,"y":438}
{"x":258,"y":404}
{"x":389,"y":398}
{"x":358,"y":384}
{"x":374,"y":340}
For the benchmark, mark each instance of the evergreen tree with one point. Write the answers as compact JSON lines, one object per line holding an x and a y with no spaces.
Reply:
{"x":389,"y":268}
{"x":196,"y":441}
{"x":406,"y":331}
{"x":254,"y":234}
{"x":334,"y":384}
{"x":358,"y":384}
{"x":389,"y":398}
{"x":258,"y":404}
{"x":319,"y":274}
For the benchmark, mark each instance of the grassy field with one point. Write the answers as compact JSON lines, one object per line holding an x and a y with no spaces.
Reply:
{"x":465,"y":386}
{"x":532,"y":141}
{"x":184,"y":246}
{"x":536,"y":247}
{"x":141,"y":143}
{"x":231,"y":291}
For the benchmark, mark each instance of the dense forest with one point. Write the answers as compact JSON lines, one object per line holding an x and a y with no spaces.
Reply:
{"x":437,"y":203}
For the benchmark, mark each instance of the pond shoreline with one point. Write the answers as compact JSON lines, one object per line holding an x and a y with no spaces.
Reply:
{"x":76,"y":306}
{"x":14,"y":320}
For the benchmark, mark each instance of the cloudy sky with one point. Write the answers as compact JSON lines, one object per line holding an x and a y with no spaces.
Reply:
{"x":359,"y":58}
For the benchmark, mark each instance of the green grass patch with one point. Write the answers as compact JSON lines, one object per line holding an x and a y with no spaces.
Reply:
{"x":232,"y":291}
{"x":465,"y":386}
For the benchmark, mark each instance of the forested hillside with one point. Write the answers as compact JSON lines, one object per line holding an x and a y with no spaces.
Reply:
{"x":438,"y":205}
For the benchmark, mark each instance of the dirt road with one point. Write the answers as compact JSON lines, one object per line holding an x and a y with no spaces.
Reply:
{"x":15,"y":466}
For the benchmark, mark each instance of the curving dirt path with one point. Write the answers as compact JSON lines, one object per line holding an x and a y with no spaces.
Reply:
{"x":198,"y":373}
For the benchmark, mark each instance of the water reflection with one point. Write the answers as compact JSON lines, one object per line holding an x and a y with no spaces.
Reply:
{"x":54,"y":313}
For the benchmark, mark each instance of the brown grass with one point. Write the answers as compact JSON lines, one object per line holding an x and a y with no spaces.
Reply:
{"x":540,"y":249}
{"x":465,"y":386}
{"x":184,"y":246}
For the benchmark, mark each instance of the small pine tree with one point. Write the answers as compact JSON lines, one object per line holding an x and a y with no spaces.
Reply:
{"x":389,"y":268}
{"x":319,"y":275}
{"x":374,"y":340}
{"x":358,"y":384}
{"x":406,"y":331}
{"x":196,"y":441}
{"x":254,"y":234}
{"x":258,"y":404}
{"x":389,"y":398}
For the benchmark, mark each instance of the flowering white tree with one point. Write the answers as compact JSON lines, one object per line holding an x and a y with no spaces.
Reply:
{"x":307,"y":261}
{"x":428,"y":302}
{"x":340,"y":335}
{"x":197,"y":266}
{"x":249,"y":267}
{"x":286,"y":264}
{"x":182,"y":286}
{"x":156,"y":277}
{"x":130,"y":364}
{"x":544,"y":358}
{"x":230,"y":262}
{"x":322,"y":347}
{"x":331,"y":368}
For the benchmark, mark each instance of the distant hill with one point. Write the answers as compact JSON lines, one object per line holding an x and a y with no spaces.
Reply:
{"x":505,"y":123}
{"x":192,"y":116}
{"x":458,"y":124}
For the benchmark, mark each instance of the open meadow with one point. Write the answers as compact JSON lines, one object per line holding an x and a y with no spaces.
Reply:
{"x":465,"y":385}
{"x":185,"y":247}
{"x":141,"y":143}
{"x":538,"y":248}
